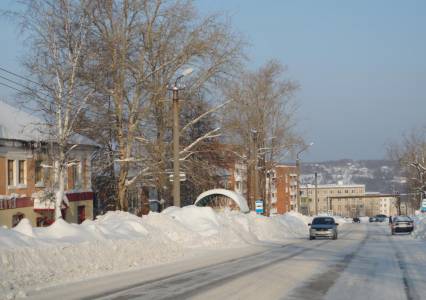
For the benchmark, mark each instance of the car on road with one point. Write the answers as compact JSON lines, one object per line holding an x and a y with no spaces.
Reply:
{"x":372,"y":219}
{"x":381,"y":218}
{"x":402,"y":224}
{"x":323,"y":227}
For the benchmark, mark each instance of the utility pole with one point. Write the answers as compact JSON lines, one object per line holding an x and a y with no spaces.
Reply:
{"x":316,"y":193}
{"x":256,"y":175}
{"x":298,"y":176}
{"x":176,"y":167}
{"x":176,"y":134}
{"x":298,"y":184}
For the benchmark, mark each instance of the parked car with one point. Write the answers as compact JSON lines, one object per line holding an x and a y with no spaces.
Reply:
{"x":402,"y":224}
{"x":356,"y":220}
{"x":323,"y":227}
{"x":372,"y":219}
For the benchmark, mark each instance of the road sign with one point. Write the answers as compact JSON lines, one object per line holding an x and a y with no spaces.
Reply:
{"x":423,"y":207}
{"x":182,"y":177}
{"x":259,"y":206}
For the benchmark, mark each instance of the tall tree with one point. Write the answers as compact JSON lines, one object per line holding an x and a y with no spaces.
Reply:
{"x":57,"y":31}
{"x":261,"y":118}
{"x":142,"y":46}
{"x":410,"y":153}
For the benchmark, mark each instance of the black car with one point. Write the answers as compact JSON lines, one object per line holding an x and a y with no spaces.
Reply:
{"x":356,"y":220}
{"x":402,"y":224}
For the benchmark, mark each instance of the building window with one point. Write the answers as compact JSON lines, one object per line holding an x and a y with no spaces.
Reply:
{"x":10,"y":173}
{"x":21,"y":171}
{"x":38,"y":172}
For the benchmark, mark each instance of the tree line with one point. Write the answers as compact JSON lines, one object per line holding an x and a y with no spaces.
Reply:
{"x":103,"y":69}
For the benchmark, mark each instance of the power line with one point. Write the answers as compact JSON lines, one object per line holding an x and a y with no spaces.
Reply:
{"x":20,"y":76}
{"x":21,"y":85}
{"x":21,"y":91}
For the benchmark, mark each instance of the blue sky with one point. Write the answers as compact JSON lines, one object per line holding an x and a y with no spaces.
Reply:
{"x":361,"y":65}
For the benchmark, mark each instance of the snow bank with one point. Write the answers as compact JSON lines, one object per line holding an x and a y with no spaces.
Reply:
{"x":419,"y":227}
{"x":116,"y":241}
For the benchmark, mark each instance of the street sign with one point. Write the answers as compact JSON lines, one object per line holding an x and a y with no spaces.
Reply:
{"x":423,"y":207}
{"x":182,"y":177}
{"x":259,"y":206}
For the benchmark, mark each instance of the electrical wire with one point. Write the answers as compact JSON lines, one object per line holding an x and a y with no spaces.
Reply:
{"x":20,"y":76}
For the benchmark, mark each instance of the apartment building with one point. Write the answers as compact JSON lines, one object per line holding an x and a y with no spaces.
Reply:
{"x":347,"y":200}
{"x":325,"y":192}
{"x":26,"y":174}
{"x":365,"y":205}
{"x":282,"y":184}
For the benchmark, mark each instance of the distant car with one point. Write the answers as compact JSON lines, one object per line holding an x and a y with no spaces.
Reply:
{"x":356,"y":220}
{"x":381,"y":218}
{"x":372,"y":219}
{"x":402,"y":224}
{"x":323,"y":227}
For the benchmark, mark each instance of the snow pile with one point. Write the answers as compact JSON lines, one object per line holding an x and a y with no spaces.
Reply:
{"x":419,"y":227}
{"x":116,"y":241}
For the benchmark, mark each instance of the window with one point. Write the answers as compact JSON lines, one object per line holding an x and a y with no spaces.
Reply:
{"x":74,"y":173}
{"x":21,"y":171}
{"x":38,"y":172}
{"x":10,"y":177}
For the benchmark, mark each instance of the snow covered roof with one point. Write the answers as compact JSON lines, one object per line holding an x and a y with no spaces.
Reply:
{"x":239,"y":200}
{"x":16,"y":124}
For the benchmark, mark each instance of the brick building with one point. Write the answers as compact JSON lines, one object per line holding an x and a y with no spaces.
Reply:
{"x":25,"y":177}
{"x":283,"y":186}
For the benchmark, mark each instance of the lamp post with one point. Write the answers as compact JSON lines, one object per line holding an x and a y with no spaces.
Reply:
{"x":176,"y":169}
{"x":298,"y":175}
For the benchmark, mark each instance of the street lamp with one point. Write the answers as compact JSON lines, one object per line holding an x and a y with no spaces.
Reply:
{"x":298,"y":175}
{"x":176,"y":174}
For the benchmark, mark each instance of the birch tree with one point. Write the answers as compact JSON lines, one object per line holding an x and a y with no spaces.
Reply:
{"x":57,"y":31}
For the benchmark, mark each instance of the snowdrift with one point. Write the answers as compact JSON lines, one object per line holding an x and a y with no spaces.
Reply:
{"x":117,"y":241}
{"x":420,"y":227}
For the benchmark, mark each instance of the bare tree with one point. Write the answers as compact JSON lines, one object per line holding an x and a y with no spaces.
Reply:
{"x":57,"y":31}
{"x":410,"y":153}
{"x":141,"y":47}
{"x":261,"y":118}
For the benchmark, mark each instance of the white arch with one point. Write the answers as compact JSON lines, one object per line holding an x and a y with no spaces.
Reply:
{"x":238,"y":199}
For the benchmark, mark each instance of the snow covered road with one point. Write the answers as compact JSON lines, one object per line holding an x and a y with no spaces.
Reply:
{"x":366,"y":262}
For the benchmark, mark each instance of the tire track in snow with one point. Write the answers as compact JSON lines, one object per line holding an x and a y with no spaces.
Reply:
{"x":408,"y":288}
{"x":319,"y":285}
{"x":185,"y":285}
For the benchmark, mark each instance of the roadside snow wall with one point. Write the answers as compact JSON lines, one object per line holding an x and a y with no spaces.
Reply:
{"x":118,"y":241}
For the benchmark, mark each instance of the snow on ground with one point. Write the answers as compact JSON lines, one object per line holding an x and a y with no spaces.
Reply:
{"x":419,"y":227}
{"x":117,"y":241}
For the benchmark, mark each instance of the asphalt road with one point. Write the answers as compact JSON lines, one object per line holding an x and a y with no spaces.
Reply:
{"x":366,"y":262}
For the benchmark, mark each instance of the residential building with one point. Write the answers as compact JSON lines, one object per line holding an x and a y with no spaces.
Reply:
{"x":282,"y":184}
{"x":364,"y":205}
{"x":349,"y":200}
{"x":325,"y":192}
{"x":26,"y":174}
